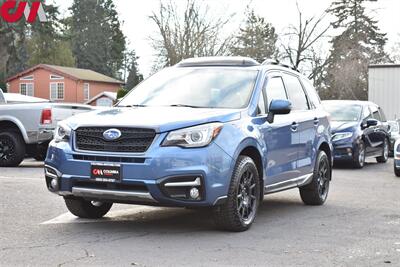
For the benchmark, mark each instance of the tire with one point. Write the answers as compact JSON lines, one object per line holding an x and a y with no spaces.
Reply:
{"x":12,"y":149}
{"x":385,"y":153}
{"x":239,"y":211}
{"x":396,"y":171}
{"x":87,"y":209}
{"x":40,"y":155}
{"x":316,"y":192}
{"x":359,"y":157}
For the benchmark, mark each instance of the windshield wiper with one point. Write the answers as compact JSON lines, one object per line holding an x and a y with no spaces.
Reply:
{"x":185,"y":106}
{"x":134,"y":106}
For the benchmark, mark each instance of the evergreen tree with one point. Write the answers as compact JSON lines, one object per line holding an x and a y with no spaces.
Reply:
{"x":359,"y":45}
{"x":46,"y":43}
{"x":97,"y":40}
{"x":257,"y":39}
{"x":134,"y":76}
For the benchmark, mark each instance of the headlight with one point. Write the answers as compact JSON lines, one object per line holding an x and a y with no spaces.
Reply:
{"x":62,"y":132}
{"x":340,"y":136}
{"x":198,"y":136}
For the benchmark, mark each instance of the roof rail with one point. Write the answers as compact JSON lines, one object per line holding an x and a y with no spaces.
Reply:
{"x":277,"y":63}
{"x":218,"y":61}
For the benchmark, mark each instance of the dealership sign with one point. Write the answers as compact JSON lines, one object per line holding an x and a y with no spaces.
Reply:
{"x":12,"y":11}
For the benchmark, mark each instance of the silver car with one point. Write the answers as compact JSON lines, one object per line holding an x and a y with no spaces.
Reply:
{"x":394,"y":132}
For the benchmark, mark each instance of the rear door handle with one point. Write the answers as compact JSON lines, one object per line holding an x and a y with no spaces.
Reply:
{"x":295,"y":126}
{"x":316,"y":121}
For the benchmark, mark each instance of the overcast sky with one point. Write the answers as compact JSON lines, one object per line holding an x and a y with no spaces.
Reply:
{"x":281,"y":13}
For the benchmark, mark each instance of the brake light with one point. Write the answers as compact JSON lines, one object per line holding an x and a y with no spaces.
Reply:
{"x":46,"y":116}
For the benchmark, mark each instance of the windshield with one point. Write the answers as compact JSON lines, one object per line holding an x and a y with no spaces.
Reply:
{"x":342,"y":112}
{"x":195,"y":87}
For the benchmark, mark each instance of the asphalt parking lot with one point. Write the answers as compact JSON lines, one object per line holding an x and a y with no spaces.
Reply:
{"x":358,"y":226}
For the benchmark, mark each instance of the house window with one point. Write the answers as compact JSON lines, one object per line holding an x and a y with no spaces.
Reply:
{"x":86,"y":91}
{"x":26,"y":89}
{"x":27,"y":78}
{"x":56,"y":91}
{"x":56,"y":77}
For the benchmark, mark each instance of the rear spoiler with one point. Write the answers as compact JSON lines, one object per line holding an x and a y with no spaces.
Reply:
{"x":2,"y":98}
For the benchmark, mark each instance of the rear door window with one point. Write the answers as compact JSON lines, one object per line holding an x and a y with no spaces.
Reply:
{"x":296,"y":93}
{"x":375,"y":113}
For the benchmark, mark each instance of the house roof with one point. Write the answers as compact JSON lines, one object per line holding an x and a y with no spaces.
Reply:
{"x":110,"y":95}
{"x":74,"y":73}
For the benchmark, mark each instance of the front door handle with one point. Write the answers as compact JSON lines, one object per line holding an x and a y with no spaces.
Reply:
{"x":294,"y":126}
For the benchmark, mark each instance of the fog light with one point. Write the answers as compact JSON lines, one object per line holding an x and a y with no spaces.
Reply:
{"x":194,"y":193}
{"x":54,"y":184}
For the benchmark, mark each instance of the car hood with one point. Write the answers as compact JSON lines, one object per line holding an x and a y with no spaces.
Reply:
{"x":162,"y":119}
{"x":341,"y":126}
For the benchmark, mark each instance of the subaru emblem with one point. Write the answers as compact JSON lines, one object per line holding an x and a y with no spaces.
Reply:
{"x":112,"y":134}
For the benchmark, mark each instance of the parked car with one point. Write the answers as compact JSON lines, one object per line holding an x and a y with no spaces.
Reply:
{"x":208,"y":132}
{"x":394,"y":131}
{"x":359,"y":130}
{"x":27,"y":128}
{"x":397,"y":158}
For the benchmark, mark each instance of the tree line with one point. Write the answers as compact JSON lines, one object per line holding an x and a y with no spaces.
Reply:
{"x":91,"y":37}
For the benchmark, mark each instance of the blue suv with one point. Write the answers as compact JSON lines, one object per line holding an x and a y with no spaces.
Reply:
{"x":208,"y":132}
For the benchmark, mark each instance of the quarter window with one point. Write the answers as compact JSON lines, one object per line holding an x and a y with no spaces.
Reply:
{"x":26,"y":89}
{"x":296,"y":93}
{"x":261,"y":104}
{"x":315,"y":101}
{"x":275,"y":89}
{"x":56,"y":91}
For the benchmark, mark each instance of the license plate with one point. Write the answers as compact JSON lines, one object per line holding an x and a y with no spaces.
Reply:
{"x":106,"y":172}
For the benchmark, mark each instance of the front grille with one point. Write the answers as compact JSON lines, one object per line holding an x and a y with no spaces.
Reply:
{"x":109,"y":159}
{"x":132,"y":140}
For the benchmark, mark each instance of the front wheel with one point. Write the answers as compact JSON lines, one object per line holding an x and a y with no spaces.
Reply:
{"x":359,"y":156}
{"x":87,"y":209}
{"x":316,"y":192}
{"x":385,"y":153}
{"x":239,"y":211}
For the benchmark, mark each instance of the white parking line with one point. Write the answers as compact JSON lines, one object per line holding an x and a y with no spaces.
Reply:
{"x":118,"y":215}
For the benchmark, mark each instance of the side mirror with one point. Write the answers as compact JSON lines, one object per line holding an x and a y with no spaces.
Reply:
{"x":372,"y":122}
{"x":278,"y":107}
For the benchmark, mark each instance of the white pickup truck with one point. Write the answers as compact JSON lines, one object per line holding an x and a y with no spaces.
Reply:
{"x":27,"y":125}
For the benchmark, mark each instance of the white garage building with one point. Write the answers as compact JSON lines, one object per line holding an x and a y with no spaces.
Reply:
{"x":384,"y":88}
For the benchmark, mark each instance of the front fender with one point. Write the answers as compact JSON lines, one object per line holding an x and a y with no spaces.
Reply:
{"x":237,"y":136}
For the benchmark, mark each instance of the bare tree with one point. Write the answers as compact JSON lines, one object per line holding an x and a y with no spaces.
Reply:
{"x":301,"y":39}
{"x":188,"y":34}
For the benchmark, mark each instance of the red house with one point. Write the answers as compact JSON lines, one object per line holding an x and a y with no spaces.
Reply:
{"x":62,"y":84}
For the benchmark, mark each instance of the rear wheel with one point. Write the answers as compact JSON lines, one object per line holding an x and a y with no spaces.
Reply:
{"x":87,"y":209}
{"x":359,"y":156}
{"x":239,"y":211}
{"x":316,"y":192}
{"x":12,"y":149}
{"x":385,"y":153}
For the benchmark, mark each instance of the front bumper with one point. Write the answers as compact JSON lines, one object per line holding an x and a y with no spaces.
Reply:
{"x":144,"y":176}
{"x":343,"y":151}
